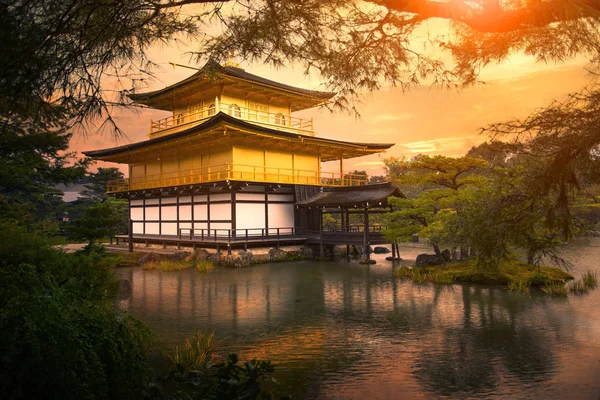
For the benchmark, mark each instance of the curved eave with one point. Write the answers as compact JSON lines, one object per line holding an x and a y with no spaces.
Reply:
{"x":354,"y":196}
{"x":217,"y":70}
{"x":350,"y":149}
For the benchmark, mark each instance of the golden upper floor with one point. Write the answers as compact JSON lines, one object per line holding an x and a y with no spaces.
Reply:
{"x":226,"y":148}
{"x":215,"y":88}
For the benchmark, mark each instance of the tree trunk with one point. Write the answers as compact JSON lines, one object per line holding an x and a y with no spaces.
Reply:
{"x":530,"y":256}
{"x":436,"y":248}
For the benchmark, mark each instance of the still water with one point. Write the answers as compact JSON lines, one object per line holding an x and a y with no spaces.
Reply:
{"x":347,"y":331}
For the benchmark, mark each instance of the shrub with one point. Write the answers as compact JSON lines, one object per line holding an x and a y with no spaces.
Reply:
{"x":197,"y":353}
{"x":55,"y":345}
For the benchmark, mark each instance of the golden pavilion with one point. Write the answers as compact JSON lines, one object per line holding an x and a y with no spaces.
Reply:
{"x":232,"y":160}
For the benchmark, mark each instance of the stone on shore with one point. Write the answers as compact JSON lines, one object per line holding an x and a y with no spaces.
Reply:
{"x":381,"y":250}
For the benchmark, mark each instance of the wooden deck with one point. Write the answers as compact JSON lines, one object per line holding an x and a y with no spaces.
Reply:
{"x":230,"y":239}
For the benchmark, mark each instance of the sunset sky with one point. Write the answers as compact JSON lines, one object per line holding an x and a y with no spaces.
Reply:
{"x":420,"y":121}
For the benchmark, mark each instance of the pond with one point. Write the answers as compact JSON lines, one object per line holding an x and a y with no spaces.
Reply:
{"x":340,"y":330}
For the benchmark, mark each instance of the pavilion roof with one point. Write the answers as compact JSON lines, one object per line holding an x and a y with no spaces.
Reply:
{"x":354,"y":196}
{"x":223,"y":130}
{"x":213,"y":72}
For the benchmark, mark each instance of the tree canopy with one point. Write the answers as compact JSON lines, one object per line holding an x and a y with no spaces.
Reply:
{"x":65,"y":52}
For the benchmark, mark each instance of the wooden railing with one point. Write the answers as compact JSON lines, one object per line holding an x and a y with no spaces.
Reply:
{"x":276,"y":121}
{"x":238,"y":172}
{"x":238,"y":234}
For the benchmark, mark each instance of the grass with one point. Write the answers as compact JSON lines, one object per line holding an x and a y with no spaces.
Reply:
{"x":420,"y":275}
{"x":197,"y":352}
{"x":205,"y":266}
{"x":167,"y":265}
{"x":515,"y":275}
{"x":520,"y":285}
{"x":578,"y":287}
{"x":556,"y":289}
{"x":590,"y":279}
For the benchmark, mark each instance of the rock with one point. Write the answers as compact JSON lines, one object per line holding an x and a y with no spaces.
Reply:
{"x":455,"y":254}
{"x":367,"y":261}
{"x":198,"y":255}
{"x":179,"y":256}
{"x":446,"y":255}
{"x":307,"y":253}
{"x":337,"y":252}
{"x":277,"y":254}
{"x":151,"y":258}
{"x":244,"y":258}
{"x":425,"y":260}
{"x":381,"y":250}
{"x":227,"y":260}
{"x":393,"y":259}
{"x":261,"y":258}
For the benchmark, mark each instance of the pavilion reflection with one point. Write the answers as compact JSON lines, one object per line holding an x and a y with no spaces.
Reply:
{"x":339,"y":323}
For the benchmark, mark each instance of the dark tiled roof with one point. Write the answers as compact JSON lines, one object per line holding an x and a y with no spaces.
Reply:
{"x":212,"y":67}
{"x":353,"y":196}
{"x":222,"y":117}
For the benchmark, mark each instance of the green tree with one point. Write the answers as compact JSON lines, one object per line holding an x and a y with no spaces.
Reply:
{"x":32,"y":161}
{"x":442,"y":178}
{"x":95,"y":190}
{"x":100,"y":220}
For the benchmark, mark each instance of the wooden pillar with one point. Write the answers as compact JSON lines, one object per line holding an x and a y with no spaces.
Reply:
{"x":160,"y":214}
{"x":266,"y":210}
{"x":366,"y":230}
{"x":347,"y":220}
{"x":321,"y":250}
{"x":233,"y":214}
{"x":208,"y":212}
{"x":130,"y":235}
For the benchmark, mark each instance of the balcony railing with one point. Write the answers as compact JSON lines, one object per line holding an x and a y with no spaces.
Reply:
{"x":276,"y":121}
{"x":248,"y":173}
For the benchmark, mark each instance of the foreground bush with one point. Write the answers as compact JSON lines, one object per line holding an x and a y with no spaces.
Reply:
{"x":60,"y":335}
{"x":55,"y":345}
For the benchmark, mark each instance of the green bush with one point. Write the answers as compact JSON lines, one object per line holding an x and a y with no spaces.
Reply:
{"x":55,"y":345}
{"x":60,"y":335}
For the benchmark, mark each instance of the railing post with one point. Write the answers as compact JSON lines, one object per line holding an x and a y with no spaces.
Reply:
{"x":277,"y":238}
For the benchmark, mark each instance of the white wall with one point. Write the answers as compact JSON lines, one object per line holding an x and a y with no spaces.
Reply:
{"x":281,"y":215}
{"x":249,"y":215}
{"x":220,"y":211}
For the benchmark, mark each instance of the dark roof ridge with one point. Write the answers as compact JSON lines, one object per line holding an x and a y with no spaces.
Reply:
{"x":212,"y":66}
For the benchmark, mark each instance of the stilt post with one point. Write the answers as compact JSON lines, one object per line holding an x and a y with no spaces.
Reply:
{"x":130,"y":235}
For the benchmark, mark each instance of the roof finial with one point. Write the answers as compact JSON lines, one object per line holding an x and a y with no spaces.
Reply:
{"x":229,"y":61}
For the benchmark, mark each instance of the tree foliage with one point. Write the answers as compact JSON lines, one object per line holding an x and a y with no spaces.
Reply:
{"x":100,"y":220}
{"x":33,"y":160}
{"x":76,"y":59}
{"x":95,"y":189}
